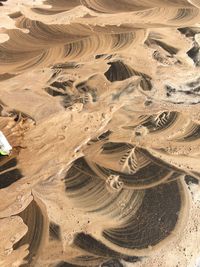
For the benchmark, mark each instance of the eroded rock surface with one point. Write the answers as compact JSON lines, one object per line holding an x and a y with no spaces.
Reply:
{"x":100,"y":101}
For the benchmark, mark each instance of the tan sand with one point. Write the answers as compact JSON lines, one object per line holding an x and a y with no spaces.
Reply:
{"x":100,"y":101}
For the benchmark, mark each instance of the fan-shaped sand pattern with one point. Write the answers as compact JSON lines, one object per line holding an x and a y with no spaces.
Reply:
{"x":100,"y":101}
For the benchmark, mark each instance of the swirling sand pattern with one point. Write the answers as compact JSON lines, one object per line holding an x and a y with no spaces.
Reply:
{"x":100,"y":101}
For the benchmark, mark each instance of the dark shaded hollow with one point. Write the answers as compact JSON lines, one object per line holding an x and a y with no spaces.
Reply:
{"x":90,"y":244}
{"x":9,"y":177}
{"x":153,"y":222}
{"x":33,"y":218}
{"x":191,"y":180}
{"x":54,"y":231}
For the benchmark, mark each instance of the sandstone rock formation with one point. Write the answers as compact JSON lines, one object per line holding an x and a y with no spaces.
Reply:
{"x":100,"y":100}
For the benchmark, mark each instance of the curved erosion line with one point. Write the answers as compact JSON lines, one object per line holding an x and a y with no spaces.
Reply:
{"x":74,"y":70}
